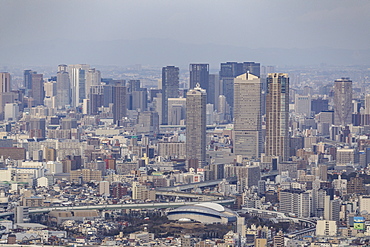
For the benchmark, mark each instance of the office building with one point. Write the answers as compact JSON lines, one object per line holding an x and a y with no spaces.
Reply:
{"x":119,"y":102}
{"x":326,"y":228}
{"x":247,"y":116}
{"x":96,"y":99}
{"x":170,"y":88}
{"x":77,"y":77}
{"x":37,"y":91}
{"x":93,"y":78}
{"x":176,"y":111}
{"x":63,"y":97}
{"x":199,"y":74}
{"x":27,"y":79}
{"x":277,"y":116}
{"x":196,"y":127}
{"x":343,"y":101}
{"x":5,"y":82}
{"x":229,"y":71}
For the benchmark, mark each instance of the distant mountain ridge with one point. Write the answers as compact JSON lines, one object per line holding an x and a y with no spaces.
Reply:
{"x":161,"y":52}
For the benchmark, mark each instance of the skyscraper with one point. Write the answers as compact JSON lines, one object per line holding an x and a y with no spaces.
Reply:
{"x":93,"y":78}
{"x":199,"y":73}
{"x":27,"y":79}
{"x":196,"y":127}
{"x":63,"y":87}
{"x":170,"y":88}
{"x":77,"y":77}
{"x":277,"y":115}
{"x":4,"y":82}
{"x":119,"y":102}
{"x":247,"y":113}
{"x":229,"y":71}
{"x":37,"y":92}
{"x":342,"y":101}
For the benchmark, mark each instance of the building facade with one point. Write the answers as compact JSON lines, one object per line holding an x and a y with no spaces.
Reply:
{"x":277,"y":115}
{"x":196,"y":127}
{"x":247,"y":116}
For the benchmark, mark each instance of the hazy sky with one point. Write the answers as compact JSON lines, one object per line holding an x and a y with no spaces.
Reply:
{"x":248,"y":23}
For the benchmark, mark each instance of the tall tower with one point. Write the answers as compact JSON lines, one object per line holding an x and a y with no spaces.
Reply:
{"x":38,"y":92}
{"x":170,"y":88}
{"x":342,"y":101}
{"x":119,"y":102}
{"x":247,"y":114}
{"x":93,"y":78}
{"x":77,"y":77}
{"x":4,"y":82}
{"x":277,"y":115}
{"x":27,"y":79}
{"x":230,"y":70}
{"x":196,"y":101}
{"x":63,"y":87}
{"x":199,"y":74}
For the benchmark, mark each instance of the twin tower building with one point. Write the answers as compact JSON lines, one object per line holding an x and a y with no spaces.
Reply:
{"x":252,"y":97}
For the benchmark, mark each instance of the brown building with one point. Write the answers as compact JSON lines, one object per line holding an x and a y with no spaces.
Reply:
{"x":13,"y":153}
{"x":86,"y":175}
{"x":356,"y":185}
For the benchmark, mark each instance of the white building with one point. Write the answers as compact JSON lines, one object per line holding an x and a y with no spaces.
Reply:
{"x":247,"y":114}
{"x":326,"y":228}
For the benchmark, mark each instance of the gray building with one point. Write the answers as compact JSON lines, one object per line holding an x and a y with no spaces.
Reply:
{"x":343,"y":101}
{"x":170,"y":88}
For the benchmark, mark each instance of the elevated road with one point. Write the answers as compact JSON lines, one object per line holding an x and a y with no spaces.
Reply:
{"x":117,"y":206}
{"x":210,"y":183}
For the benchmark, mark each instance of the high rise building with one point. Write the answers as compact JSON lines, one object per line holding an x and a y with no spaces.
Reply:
{"x":63,"y":97}
{"x":342,"y":101}
{"x":77,"y":77}
{"x":96,"y":99}
{"x":170,"y":88}
{"x":196,"y":127}
{"x":119,"y":102}
{"x":214,"y":92}
{"x":228,"y":72}
{"x":277,"y":115}
{"x":247,"y":115}
{"x":27,"y":79}
{"x":37,"y":92}
{"x":176,"y":110}
{"x":199,"y":74}
{"x":93,"y":78}
{"x":4,"y":82}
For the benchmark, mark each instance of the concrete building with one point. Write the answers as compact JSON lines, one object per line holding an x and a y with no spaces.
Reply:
{"x":11,"y":112}
{"x":277,"y":116}
{"x":326,"y":228}
{"x":196,"y":127}
{"x":295,"y":202}
{"x":343,"y":101}
{"x":247,"y":116}
{"x":302,"y":105}
{"x":176,"y":110}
